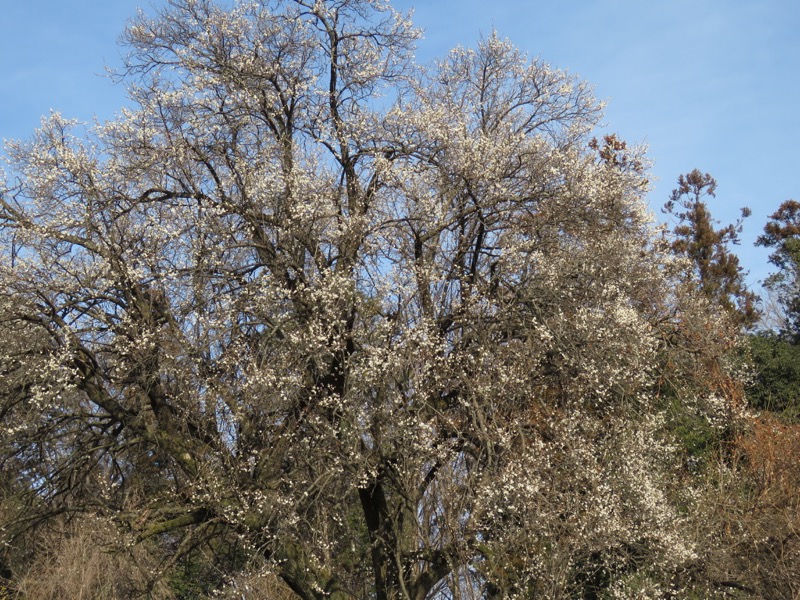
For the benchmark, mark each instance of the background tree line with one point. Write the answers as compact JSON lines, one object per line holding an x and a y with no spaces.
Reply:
{"x":311,"y":320}
{"x":772,"y":324}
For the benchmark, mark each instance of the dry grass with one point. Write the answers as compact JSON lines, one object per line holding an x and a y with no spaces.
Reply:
{"x":752,"y":515}
{"x":74,"y":562}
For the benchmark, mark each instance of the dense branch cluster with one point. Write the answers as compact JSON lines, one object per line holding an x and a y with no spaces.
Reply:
{"x":379,"y":330}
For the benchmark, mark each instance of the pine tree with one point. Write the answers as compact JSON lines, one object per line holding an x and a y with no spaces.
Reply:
{"x":782,"y":233}
{"x":715,"y":269}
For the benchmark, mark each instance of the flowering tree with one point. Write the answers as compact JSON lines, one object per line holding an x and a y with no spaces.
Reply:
{"x":381,"y":330}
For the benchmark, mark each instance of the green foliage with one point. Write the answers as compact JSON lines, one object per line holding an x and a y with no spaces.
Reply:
{"x":696,"y":436}
{"x":200,"y":572}
{"x":776,"y":385}
{"x":782,"y":233}
{"x":6,"y":591}
{"x":193,"y":579}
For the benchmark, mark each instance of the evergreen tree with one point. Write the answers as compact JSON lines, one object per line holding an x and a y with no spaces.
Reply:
{"x":782,"y":233}
{"x":716,"y":270}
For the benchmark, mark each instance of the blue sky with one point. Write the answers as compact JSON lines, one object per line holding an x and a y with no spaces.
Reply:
{"x":707,"y":84}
